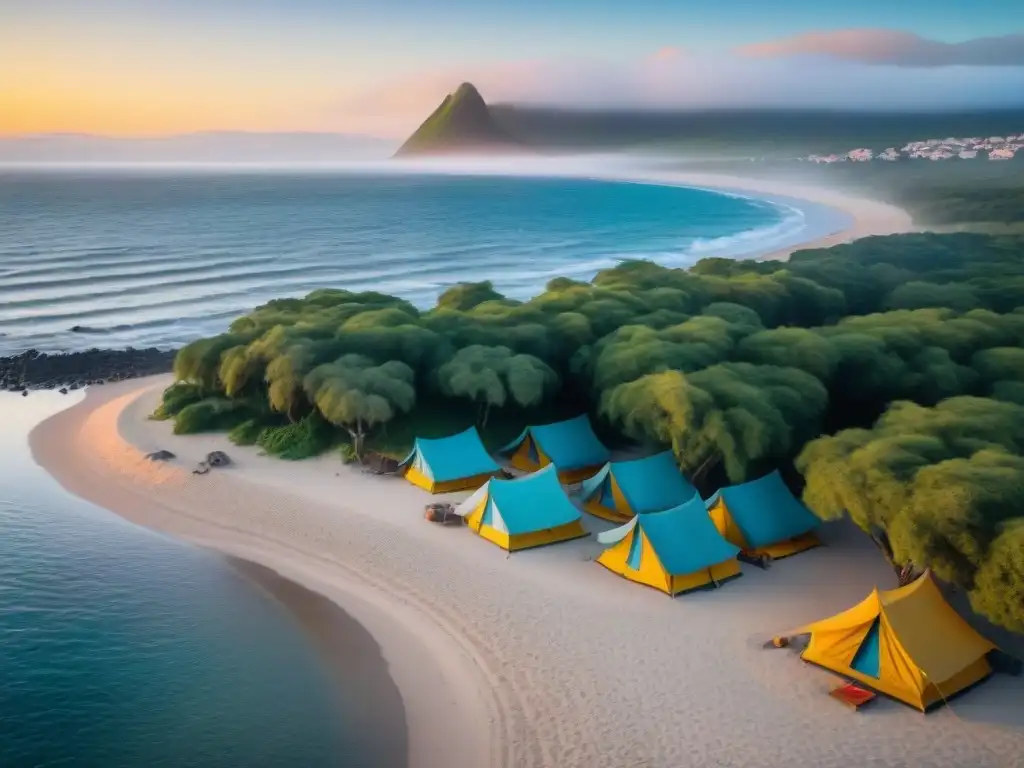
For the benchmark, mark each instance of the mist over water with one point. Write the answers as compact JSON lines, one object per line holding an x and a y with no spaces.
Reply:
{"x":160,"y":256}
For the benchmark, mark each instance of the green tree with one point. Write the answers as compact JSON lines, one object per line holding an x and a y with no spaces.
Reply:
{"x":941,"y":482}
{"x":491,"y":376}
{"x":735,"y":413}
{"x":999,"y":583}
{"x":357,"y":395}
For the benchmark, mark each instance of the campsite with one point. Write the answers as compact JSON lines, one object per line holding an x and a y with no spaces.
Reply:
{"x":906,"y":643}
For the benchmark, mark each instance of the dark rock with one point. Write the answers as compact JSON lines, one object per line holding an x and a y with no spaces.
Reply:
{"x":63,"y":390}
{"x":217,"y":459}
{"x":160,"y":455}
{"x":33,"y":369}
{"x":24,"y":393}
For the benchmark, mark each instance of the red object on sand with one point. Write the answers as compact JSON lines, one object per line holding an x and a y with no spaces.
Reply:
{"x":852,"y":695}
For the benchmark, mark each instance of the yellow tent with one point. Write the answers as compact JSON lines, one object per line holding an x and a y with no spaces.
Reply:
{"x":762,"y":517}
{"x":907,"y":643}
{"x":452,"y":463}
{"x":530,"y":511}
{"x":677,"y":550}
{"x":570,"y":445}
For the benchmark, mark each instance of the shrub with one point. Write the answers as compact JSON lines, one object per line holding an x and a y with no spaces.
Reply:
{"x":176,"y":398}
{"x":306,"y":438}
{"x":211,"y":414}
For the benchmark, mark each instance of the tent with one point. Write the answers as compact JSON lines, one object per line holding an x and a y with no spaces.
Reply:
{"x":529,"y":511}
{"x":452,"y":463}
{"x":907,"y":643}
{"x":570,"y":445}
{"x":625,"y":488}
{"x":762,"y":517}
{"x":677,"y":550}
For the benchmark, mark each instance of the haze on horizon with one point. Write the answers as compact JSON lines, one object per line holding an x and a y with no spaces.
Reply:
{"x":164,"y":67}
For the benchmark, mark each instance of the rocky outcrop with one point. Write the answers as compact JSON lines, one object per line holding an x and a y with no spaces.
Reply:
{"x":73,"y":370}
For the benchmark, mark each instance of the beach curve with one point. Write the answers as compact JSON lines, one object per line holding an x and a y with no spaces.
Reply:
{"x":539,"y":659}
{"x":866,"y":217}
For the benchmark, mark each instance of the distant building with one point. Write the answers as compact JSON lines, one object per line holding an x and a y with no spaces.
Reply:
{"x":1001,"y":154}
{"x":968,"y":154}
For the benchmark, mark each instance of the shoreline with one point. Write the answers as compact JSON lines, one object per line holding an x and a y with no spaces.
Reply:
{"x":867,"y":217}
{"x":370,"y":704}
{"x":423,"y":676}
{"x":820,"y":209}
{"x":538,"y":659}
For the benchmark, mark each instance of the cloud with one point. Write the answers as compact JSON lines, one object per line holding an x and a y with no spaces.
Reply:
{"x":895,"y":48}
{"x":668,"y":53}
{"x":854,"y":76}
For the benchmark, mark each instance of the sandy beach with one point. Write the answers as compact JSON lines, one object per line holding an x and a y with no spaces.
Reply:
{"x":868,"y":217}
{"x":542,"y":658}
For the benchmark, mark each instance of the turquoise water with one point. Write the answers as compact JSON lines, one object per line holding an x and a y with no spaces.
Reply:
{"x":154,"y":258}
{"x":120,"y":647}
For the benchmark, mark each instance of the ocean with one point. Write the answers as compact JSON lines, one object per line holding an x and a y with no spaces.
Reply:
{"x":94,"y":258}
{"x":121,"y":647}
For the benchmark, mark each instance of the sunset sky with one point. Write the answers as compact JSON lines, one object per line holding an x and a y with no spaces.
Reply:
{"x":151,"y":67}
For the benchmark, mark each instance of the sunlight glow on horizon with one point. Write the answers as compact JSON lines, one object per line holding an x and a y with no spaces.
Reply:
{"x":159,"y":67}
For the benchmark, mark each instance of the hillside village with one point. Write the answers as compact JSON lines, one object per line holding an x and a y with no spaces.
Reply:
{"x":993,"y":148}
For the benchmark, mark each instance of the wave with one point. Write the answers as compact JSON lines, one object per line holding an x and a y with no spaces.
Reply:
{"x":760,"y":239}
{"x":176,"y":278}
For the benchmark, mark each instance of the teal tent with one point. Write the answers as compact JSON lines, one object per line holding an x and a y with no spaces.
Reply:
{"x":762,"y":517}
{"x":452,"y":463}
{"x":625,"y":488}
{"x":570,"y":445}
{"x":675,"y":550}
{"x":530,"y":511}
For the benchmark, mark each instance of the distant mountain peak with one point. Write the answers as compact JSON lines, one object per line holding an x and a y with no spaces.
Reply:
{"x":462,"y":122}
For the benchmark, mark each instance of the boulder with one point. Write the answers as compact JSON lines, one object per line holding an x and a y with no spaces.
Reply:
{"x":217,"y":459}
{"x":160,"y":455}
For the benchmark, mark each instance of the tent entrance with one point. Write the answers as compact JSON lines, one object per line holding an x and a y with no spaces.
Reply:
{"x":866,"y":660}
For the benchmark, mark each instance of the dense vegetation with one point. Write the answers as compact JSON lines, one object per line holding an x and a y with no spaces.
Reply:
{"x":943,"y":194}
{"x":905,"y":352}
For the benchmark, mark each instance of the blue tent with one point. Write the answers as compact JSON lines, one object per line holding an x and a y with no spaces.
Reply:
{"x":449,"y":463}
{"x":570,"y":445}
{"x":625,"y":488}
{"x":529,"y":511}
{"x":762,"y":517}
{"x":675,"y":550}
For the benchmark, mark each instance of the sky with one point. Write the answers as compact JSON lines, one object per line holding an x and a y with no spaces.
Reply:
{"x":157,"y":67}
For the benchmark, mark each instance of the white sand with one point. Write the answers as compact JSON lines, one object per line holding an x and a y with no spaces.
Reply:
{"x":543,"y":658}
{"x":869,"y":217}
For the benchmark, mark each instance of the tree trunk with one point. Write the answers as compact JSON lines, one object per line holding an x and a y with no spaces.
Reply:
{"x":487,"y":412}
{"x":357,"y":436}
{"x":881,"y":539}
{"x":705,"y":467}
